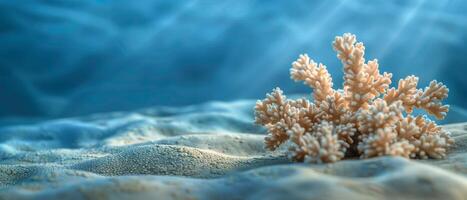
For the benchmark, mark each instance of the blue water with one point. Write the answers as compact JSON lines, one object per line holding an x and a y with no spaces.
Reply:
{"x":61,"y":58}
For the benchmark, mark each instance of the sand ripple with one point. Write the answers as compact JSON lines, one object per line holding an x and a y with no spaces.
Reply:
{"x":210,"y":151}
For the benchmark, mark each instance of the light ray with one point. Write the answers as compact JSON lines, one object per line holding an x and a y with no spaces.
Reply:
{"x":406,"y":19}
{"x":301,"y":35}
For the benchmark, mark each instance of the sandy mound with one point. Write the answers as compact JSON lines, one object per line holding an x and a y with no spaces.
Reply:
{"x":210,"y":151}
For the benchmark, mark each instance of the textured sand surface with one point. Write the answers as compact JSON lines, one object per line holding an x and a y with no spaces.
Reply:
{"x":208,"y":151}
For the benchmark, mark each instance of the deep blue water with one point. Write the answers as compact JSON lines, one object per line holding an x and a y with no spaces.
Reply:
{"x":74,"y":57}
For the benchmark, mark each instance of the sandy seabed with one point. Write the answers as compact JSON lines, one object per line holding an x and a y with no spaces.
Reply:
{"x":208,"y":151}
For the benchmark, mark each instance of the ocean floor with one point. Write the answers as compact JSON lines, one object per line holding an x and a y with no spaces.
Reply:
{"x":207,"y":151}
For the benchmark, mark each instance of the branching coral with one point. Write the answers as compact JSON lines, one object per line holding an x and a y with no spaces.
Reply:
{"x":366,"y":118}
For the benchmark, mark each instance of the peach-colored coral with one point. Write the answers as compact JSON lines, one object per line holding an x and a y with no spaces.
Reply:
{"x":365,"y":119}
{"x":321,"y":146}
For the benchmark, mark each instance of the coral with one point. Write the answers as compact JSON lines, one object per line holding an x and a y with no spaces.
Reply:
{"x":323,"y":145}
{"x":366,"y":118}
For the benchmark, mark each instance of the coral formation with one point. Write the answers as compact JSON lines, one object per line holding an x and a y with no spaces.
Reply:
{"x":365,"y":119}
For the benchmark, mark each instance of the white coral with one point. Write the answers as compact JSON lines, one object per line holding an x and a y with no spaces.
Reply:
{"x":321,"y":145}
{"x":366,"y":118}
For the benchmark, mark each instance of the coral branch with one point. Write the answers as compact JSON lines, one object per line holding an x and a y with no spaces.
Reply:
{"x":406,"y":93}
{"x":334,"y":108}
{"x":271,"y":109}
{"x":430,"y":99}
{"x":314,"y":75}
{"x":379,"y":115}
{"x":279,"y":114}
{"x":433,"y":146}
{"x":322,"y":145}
{"x":384,"y":142}
{"x":379,"y":83}
{"x":362,"y":82}
{"x":408,"y":129}
{"x":277,"y":135}
{"x":351,"y":55}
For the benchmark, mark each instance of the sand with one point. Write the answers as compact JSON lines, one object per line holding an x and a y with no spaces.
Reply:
{"x":207,"y":151}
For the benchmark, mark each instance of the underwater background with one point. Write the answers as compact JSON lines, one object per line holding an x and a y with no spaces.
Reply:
{"x":64,"y":58}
